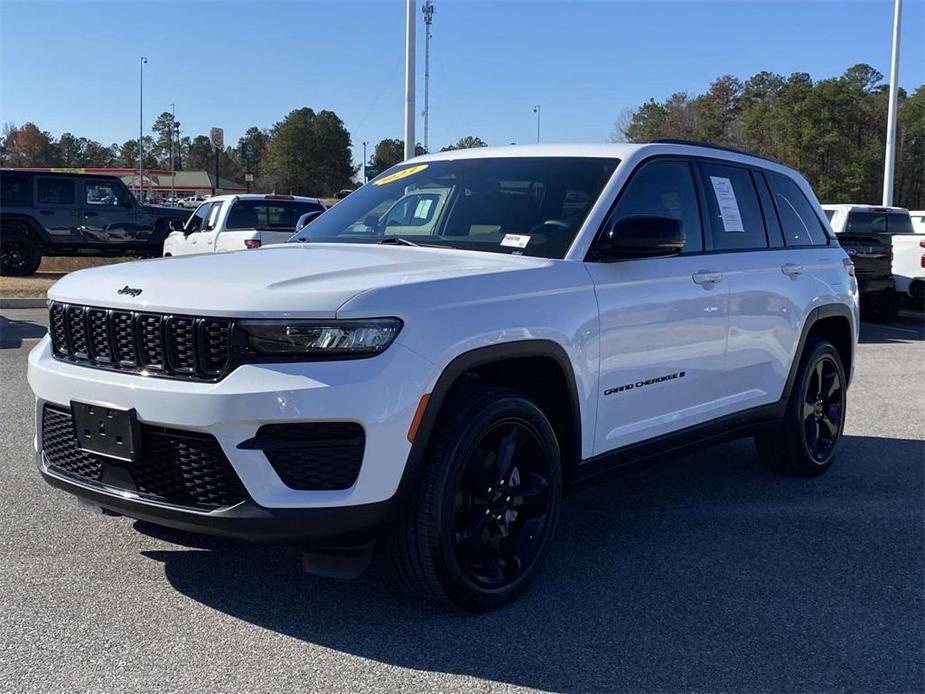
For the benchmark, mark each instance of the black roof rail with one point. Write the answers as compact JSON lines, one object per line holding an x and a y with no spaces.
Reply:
{"x":707,"y":145}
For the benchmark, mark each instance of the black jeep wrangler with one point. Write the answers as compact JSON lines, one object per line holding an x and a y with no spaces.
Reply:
{"x":55,"y":214}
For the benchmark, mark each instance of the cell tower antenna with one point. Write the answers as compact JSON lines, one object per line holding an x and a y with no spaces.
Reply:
{"x":428,"y":10}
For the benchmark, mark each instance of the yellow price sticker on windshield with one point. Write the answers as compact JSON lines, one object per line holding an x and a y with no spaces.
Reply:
{"x":398,"y":175}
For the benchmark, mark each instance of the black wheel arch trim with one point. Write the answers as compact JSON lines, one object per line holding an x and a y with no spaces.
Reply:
{"x":483,"y":356}
{"x":30,"y":222}
{"x":818,"y":314}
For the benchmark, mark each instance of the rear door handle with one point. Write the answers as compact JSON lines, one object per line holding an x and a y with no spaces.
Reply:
{"x":791,"y":270}
{"x":45,"y":212}
{"x":706,"y":278}
{"x":91,"y":214}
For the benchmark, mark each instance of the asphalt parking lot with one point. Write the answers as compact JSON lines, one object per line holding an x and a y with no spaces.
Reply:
{"x":707,"y":573}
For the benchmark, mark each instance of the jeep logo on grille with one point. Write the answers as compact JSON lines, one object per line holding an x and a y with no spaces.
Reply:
{"x":130,"y":291}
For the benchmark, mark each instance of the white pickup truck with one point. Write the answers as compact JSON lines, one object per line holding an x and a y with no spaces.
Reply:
{"x":894,"y":228}
{"x":236,"y":222}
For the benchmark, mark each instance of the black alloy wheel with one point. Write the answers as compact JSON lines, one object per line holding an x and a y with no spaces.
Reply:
{"x":502,"y":504}
{"x":19,"y":256}
{"x":823,"y":408}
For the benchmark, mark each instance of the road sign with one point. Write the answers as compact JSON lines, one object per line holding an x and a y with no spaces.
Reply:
{"x":217,"y":135}
{"x":248,"y":177}
{"x":248,"y":151}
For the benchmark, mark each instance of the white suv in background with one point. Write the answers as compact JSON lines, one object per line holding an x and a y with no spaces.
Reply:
{"x":236,"y":222}
{"x":570,"y":310}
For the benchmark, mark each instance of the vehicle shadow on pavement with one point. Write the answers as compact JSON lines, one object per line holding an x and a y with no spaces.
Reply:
{"x":702,"y":573}
{"x":909,"y":326}
{"x":13,"y":332}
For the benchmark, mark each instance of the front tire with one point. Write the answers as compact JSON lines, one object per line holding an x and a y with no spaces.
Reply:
{"x":805,"y":442}
{"x":487,"y":507}
{"x":20,"y":255}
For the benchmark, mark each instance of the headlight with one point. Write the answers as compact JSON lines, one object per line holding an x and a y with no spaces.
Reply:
{"x":320,"y":337}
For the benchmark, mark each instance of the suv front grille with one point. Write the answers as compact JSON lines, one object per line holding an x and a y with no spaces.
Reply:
{"x":150,"y":343}
{"x":181,"y":468}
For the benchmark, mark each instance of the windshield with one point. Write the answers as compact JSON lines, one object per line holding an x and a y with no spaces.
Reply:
{"x":523,"y":205}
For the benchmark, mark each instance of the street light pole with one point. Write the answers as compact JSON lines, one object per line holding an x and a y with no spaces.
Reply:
{"x":536,"y":110}
{"x":173,"y":120}
{"x":890,"y":159}
{"x":409,"y":79}
{"x":364,"y":162}
{"x":141,"y":127}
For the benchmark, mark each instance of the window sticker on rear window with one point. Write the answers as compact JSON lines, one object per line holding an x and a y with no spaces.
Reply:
{"x":398,"y":175}
{"x":515,"y":240}
{"x":727,"y":203}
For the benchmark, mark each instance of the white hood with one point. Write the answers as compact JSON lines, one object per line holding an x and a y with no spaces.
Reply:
{"x":304,"y":280}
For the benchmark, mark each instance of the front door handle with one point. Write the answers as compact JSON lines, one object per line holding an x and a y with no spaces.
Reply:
{"x":91,"y":214}
{"x":707,"y":278}
{"x":45,"y":212}
{"x":791,"y":269}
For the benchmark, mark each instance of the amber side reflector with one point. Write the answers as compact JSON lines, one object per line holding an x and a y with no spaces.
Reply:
{"x":418,"y":416}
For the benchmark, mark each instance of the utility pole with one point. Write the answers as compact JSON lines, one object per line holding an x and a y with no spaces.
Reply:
{"x":536,"y":110}
{"x":141,"y":127}
{"x":364,"y":162}
{"x":428,"y":10}
{"x":173,"y":121}
{"x":409,"y":79}
{"x":890,"y":159}
{"x":179,"y":148}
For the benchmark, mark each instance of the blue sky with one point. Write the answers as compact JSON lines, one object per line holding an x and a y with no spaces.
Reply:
{"x":74,"y":66}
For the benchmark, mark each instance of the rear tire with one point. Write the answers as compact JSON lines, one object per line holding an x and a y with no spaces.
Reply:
{"x":805,"y":441}
{"x":20,"y":254}
{"x":487,"y":507}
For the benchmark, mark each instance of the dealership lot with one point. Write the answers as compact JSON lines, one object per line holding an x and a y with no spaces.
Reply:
{"x":705,"y":573}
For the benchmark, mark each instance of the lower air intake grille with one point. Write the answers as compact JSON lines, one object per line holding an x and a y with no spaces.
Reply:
{"x":177,"y":467}
{"x":314,"y":456}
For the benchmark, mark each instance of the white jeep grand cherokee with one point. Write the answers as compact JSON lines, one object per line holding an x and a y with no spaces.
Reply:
{"x":546,"y":313}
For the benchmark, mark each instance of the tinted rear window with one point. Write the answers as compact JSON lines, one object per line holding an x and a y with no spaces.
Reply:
{"x":798,"y":219}
{"x":268,"y":214}
{"x":878,"y":223}
{"x":14,"y":189}
{"x":55,"y":191}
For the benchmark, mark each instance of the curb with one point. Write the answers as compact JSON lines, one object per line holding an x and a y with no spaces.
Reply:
{"x":22,"y":303}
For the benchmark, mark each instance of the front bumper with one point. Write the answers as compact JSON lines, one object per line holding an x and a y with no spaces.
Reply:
{"x":245,"y":521}
{"x":380,"y":393}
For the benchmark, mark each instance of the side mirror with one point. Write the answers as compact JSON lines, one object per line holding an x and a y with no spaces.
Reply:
{"x":372,"y":221}
{"x":176,"y":225}
{"x":307,"y":219}
{"x":642,"y":236}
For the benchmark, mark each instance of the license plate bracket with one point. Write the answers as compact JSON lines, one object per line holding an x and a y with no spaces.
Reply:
{"x":106,"y":431}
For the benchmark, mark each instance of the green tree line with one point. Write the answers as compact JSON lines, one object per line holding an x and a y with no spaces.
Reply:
{"x":833,"y":131}
{"x":305,"y":153}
